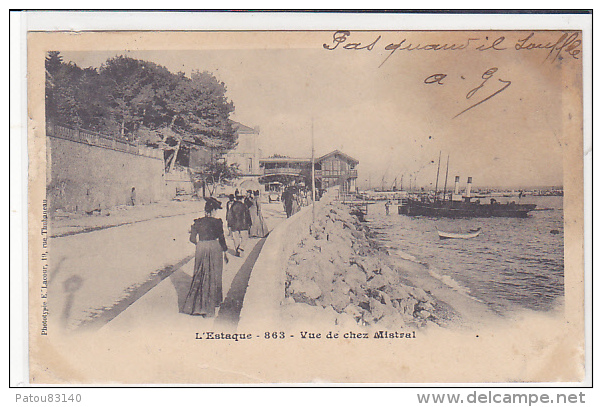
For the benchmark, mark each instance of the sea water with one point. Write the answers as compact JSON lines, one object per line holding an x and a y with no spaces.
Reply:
{"x":514,"y":264}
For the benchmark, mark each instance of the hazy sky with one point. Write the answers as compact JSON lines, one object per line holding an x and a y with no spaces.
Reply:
{"x":387,"y":117}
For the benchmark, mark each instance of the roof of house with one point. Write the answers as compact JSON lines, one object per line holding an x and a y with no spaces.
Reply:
{"x":284,"y":160}
{"x":239,"y":127}
{"x":337,"y":152}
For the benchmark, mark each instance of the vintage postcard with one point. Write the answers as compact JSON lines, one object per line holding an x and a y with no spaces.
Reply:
{"x":306,"y":206}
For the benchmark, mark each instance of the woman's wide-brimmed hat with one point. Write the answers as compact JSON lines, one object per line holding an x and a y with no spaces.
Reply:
{"x":213,"y":203}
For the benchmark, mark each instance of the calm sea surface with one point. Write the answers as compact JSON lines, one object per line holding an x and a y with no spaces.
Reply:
{"x":514,"y":264}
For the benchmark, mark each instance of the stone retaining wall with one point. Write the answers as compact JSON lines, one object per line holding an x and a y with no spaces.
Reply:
{"x":83,"y":177}
{"x":265,"y":293}
{"x":328,"y":273}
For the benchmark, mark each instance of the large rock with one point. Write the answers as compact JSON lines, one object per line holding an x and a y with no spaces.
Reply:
{"x":335,"y":300}
{"x":377,"y":309}
{"x":354,"y":311}
{"x":408,"y":305}
{"x":369,"y":264}
{"x":397,"y":292}
{"x":324,"y":273}
{"x":393,"y":321}
{"x":419,"y":294}
{"x":385,"y":298}
{"x":426,"y":306}
{"x":377,"y":281}
{"x":304,"y":290}
{"x":391,"y":275}
{"x":354,"y":276}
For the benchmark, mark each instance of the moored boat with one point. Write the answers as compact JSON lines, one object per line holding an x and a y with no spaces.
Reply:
{"x":463,"y":209}
{"x":460,"y":206}
{"x":452,"y":235}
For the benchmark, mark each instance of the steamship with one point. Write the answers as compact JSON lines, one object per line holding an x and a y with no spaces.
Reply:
{"x":461,"y":206}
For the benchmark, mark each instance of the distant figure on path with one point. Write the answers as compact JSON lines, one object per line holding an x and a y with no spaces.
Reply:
{"x":207,"y":233}
{"x":287,"y":200}
{"x":258,"y":226}
{"x":229,"y":203}
{"x":239,"y":220}
{"x":133,"y":196}
{"x":228,"y":206}
{"x":296,"y":207}
{"x":387,"y":206}
{"x":248,"y":198}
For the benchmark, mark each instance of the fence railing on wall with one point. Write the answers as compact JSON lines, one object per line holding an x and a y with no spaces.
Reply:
{"x":101,"y":140}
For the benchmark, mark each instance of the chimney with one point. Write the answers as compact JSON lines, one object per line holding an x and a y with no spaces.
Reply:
{"x":468,"y":186}
{"x":457,"y":187}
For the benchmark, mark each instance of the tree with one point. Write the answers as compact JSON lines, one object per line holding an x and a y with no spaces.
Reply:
{"x":199,"y":115}
{"x":141,"y":101}
{"x":130,"y":86}
{"x":61,"y":94}
{"x":216,"y":173}
{"x":189,"y":111}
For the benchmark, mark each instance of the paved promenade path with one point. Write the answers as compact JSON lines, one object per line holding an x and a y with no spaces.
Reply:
{"x":161,"y":304}
{"x":139,"y":273}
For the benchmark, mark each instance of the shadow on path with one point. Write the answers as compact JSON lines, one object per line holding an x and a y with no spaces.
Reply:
{"x":181,"y":282}
{"x":229,"y":312}
{"x":106,"y":315}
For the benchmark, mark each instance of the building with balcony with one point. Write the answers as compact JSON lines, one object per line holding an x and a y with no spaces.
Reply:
{"x":337,"y":168}
{"x":334,"y":168}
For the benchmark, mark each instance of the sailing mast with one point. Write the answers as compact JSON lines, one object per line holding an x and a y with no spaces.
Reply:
{"x":446,"y":172}
{"x":437,"y":182}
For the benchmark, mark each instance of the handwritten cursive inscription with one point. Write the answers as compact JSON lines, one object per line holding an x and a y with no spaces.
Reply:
{"x":567,"y":43}
{"x":487,"y":75}
{"x":426,"y":47}
{"x":340,"y":37}
{"x":435,"y":78}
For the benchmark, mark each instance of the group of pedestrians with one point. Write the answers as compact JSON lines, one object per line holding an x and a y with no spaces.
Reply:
{"x":294,"y":198}
{"x":243,"y":216}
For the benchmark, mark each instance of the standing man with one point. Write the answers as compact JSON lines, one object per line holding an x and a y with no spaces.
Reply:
{"x":287,"y":200}
{"x":228,"y":206}
{"x":239,"y":220}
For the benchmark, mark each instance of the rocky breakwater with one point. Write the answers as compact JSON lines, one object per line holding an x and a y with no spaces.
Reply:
{"x":337,"y":275}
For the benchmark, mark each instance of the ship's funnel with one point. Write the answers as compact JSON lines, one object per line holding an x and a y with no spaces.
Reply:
{"x":457,"y":187}
{"x":468,"y":186}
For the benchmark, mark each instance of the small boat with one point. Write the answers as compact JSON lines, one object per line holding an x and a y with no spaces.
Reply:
{"x":451,"y":235}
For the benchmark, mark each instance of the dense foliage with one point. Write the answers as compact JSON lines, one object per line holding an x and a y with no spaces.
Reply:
{"x":141,"y":101}
{"x":216,"y":173}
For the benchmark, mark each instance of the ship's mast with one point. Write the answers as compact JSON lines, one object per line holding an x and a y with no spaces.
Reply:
{"x":446,"y":172}
{"x":437,"y":182}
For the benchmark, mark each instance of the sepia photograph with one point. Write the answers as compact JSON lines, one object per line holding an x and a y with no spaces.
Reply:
{"x":303,"y":206}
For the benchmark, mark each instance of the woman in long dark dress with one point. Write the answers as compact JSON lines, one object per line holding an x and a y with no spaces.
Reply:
{"x":258,"y":226}
{"x":207,"y":234}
